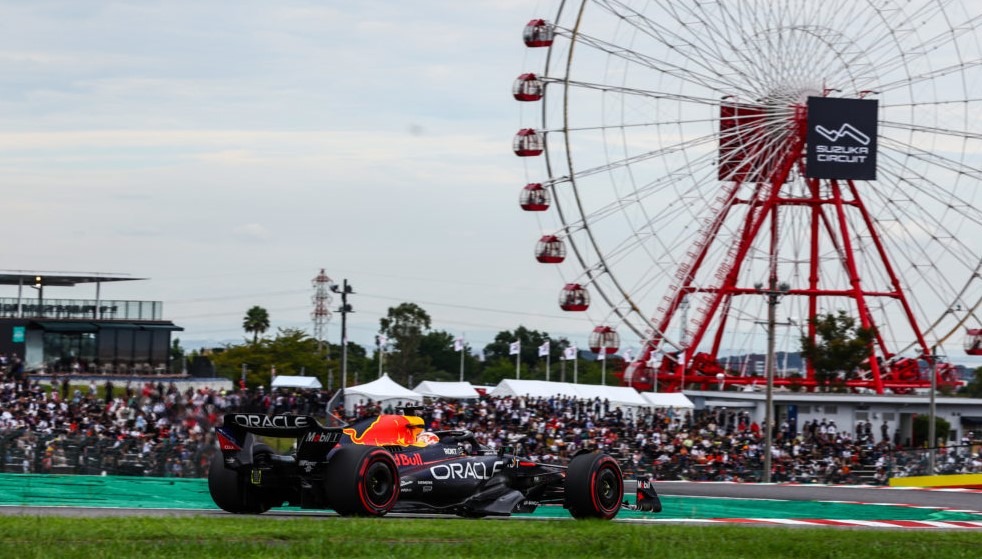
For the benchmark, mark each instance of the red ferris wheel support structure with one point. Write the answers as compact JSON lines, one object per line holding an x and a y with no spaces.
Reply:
{"x":757,"y":149}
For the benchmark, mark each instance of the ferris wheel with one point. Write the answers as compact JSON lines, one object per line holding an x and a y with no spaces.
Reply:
{"x":702,"y":168}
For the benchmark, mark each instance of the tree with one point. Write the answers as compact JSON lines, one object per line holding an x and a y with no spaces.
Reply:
{"x":530,"y":340}
{"x":256,"y":321}
{"x":839,"y":345}
{"x":533,"y":366}
{"x":443,"y":363}
{"x":405,"y":325}
{"x":176,"y":356}
{"x":292,"y":352}
{"x":974,"y":387}
{"x":921,"y":428}
{"x":497,"y":370}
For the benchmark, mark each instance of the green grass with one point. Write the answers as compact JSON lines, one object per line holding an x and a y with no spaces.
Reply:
{"x":243,"y":537}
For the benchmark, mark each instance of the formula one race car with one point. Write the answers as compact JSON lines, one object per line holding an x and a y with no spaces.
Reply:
{"x":389,"y":463}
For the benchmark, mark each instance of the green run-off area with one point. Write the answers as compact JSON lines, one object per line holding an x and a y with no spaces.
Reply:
{"x":179,"y":493}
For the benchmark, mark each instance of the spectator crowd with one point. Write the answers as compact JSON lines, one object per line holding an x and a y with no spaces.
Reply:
{"x":153,"y":428}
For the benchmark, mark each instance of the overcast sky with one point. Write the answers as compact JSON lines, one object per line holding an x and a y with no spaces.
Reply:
{"x":229,"y":150}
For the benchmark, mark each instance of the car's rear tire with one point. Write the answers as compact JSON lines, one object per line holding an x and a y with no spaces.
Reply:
{"x":594,"y":486}
{"x":232,"y":491}
{"x":362,"y":481}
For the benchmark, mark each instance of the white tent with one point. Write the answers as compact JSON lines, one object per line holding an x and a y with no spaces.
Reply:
{"x":668,"y":400}
{"x":286,"y":381}
{"x":383,"y":390}
{"x":532,"y":388}
{"x":618,"y":396}
{"x":448,"y":390}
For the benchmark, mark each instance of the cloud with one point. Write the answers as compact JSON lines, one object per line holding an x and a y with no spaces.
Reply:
{"x":231,"y":149}
{"x":252,"y":232}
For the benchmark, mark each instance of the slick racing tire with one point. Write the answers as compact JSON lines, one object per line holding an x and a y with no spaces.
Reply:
{"x":232,"y":491}
{"x":362,"y":481}
{"x":594,"y":486}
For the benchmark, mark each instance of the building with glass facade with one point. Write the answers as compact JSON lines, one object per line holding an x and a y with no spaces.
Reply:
{"x":96,"y":335}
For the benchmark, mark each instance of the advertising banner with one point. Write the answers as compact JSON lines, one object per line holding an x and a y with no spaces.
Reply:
{"x":841,"y":138}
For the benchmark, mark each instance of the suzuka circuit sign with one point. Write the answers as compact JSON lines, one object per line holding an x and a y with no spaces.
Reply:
{"x":841,"y":138}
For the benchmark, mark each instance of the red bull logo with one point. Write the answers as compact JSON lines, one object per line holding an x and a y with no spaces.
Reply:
{"x":408,"y":460}
{"x":398,"y":430}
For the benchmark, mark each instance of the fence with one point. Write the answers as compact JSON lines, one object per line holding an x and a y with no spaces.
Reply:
{"x":28,"y":452}
{"x":67,"y":453}
{"x":870,"y":467}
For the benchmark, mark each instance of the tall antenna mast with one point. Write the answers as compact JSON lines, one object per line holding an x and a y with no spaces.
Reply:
{"x":321,"y":314}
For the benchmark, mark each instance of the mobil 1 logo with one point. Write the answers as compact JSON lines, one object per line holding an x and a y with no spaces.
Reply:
{"x":841,"y":138}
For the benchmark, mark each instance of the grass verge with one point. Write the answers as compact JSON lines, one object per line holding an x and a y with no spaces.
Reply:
{"x":244,"y":537}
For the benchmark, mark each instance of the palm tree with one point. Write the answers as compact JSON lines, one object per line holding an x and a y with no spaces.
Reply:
{"x":256,"y":321}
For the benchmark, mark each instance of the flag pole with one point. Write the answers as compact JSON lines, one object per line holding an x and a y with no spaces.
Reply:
{"x":463,"y":347}
{"x":547,"y":366}
{"x":515,"y":348}
{"x":378,"y":343}
{"x":603,"y":367}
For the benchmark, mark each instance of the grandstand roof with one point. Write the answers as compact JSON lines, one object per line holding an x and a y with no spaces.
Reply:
{"x":59,"y":279}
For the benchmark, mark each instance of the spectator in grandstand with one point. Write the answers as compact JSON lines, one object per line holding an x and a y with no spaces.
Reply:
{"x":156,"y":429}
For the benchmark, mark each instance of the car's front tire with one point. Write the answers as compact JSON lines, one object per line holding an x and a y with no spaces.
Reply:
{"x":232,"y":491}
{"x":594,"y":486}
{"x":362,"y":481}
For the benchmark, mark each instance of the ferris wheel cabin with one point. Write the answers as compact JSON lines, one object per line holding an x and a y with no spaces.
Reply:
{"x":574,"y":297}
{"x":534,"y":198}
{"x":604,"y":339}
{"x":642,"y":379}
{"x":973,"y":341}
{"x":550,"y":250}
{"x":528,"y":143}
{"x":528,"y":87}
{"x":538,"y":33}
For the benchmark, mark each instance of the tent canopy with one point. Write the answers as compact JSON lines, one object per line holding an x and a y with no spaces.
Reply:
{"x":668,"y":400}
{"x":381,"y":390}
{"x":619,"y":396}
{"x":622,"y":396}
{"x":532,"y":388}
{"x":448,"y":390}
{"x":286,"y":381}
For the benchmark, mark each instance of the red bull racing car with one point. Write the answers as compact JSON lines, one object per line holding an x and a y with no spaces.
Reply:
{"x":389,"y":463}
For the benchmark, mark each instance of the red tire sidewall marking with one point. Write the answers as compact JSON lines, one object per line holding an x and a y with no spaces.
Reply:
{"x":597,"y":506}
{"x":371,"y":458}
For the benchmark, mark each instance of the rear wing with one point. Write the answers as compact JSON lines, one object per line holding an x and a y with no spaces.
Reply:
{"x":646,"y":498}
{"x":236,"y":437}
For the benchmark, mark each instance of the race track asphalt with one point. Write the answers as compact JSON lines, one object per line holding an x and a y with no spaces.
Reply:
{"x":939,"y":498}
